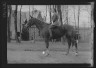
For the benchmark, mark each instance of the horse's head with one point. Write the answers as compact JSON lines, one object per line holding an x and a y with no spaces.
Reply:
{"x":30,"y":22}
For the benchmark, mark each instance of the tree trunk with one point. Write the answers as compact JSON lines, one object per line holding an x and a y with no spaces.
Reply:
{"x":92,"y":18}
{"x":20,"y":22}
{"x":29,"y":12}
{"x":32,"y":10}
{"x":8,"y":24}
{"x":25,"y":16}
{"x":84,"y":32}
{"x":60,"y":13}
{"x":50,"y":14}
{"x":74,"y":17}
{"x":46,"y":14}
{"x":78,"y":16}
{"x":15,"y":22}
{"x":66,"y":11}
{"x":67,"y":14}
{"x":54,"y":6}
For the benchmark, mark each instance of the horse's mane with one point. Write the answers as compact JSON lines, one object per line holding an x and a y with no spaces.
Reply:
{"x":40,"y":21}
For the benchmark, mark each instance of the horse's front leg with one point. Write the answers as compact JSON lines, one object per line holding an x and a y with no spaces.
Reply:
{"x":63,"y":40}
{"x":47,"y":47}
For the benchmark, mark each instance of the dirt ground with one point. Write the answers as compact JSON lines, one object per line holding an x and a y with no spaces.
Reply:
{"x":29,"y":52}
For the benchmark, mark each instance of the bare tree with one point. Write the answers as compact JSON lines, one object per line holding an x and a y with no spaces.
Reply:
{"x":60,"y":13}
{"x":84,"y":30}
{"x":20,"y":21}
{"x":74,"y":16}
{"x":88,"y":8}
{"x":50,"y":13}
{"x":32,"y":10}
{"x":29,"y":11}
{"x":15,"y":22}
{"x":25,"y":16}
{"x":92,"y":23}
{"x":54,"y":6}
{"x":8,"y":23}
{"x":67,"y":14}
{"x":46,"y":13}
{"x":78,"y":16}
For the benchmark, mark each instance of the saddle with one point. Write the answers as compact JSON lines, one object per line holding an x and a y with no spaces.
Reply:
{"x":54,"y":26}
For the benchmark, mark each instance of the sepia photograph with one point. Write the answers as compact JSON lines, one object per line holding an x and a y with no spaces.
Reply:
{"x":50,"y":34}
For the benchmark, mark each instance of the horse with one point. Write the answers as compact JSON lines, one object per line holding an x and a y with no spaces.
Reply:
{"x":57,"y":32}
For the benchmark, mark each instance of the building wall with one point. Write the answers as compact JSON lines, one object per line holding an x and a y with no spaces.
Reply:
{"x":34,"y":33}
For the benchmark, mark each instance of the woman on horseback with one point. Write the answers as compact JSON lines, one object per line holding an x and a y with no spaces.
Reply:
{"x":54,"y":22}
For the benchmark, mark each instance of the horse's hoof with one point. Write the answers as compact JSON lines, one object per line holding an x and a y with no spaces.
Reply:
{"x":66,"y":53}
{"x":76,"y":54}
{"x":47,"y":54}
{"x":44,"y":53}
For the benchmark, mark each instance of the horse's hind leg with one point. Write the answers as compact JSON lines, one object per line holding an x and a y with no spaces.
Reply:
{"x":69,"y":44}
{"x":76,"y":49}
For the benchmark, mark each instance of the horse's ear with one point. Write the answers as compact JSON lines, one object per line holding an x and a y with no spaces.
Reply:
{"x":30,"y":16}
